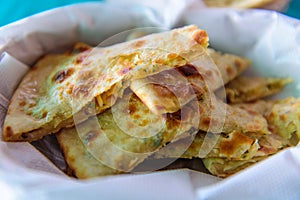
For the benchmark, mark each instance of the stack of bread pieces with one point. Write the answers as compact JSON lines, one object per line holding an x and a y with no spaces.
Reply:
{"x":163,"y":95}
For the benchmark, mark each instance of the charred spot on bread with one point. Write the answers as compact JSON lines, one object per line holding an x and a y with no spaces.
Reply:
{"x":62,"y":75}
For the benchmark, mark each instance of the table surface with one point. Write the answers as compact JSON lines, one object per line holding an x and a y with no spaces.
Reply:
{"x":12,"y":10}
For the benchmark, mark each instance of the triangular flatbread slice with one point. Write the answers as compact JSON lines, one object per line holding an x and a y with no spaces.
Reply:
{"x":80,"y":162}
{"x":282,"y":116}
{"x":166,"y":92}
{"x":124,"y":135}
{"x":235,"y":151}
{"x":215,"y":115}
{"x":262,"y":107}
{"x":56,"y":89}
{"x":245,"y":89}
{"x":235,"y":146}
{"x":223,"y":167}
{"x":284,"y":119}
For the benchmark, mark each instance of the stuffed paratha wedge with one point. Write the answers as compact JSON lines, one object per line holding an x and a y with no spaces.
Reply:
{"x":245,"y":89}
{"x":124,"y":135}
{"x":215,"y":115}
{"x":262,"y":107}
{"x":283,"y":119}
{"x":223,"y":167}
{"x":232,"y":153}
{"x":166,"y":92}
{"x":282,"y":116}
{"x":237,"y":150}
{"x":235,"y":146}
{"x":80,"y":162}
{"x":87,"y":83}
{"x":233,"y":119}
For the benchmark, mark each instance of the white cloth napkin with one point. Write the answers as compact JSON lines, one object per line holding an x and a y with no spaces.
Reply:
{"x":270,"y":40}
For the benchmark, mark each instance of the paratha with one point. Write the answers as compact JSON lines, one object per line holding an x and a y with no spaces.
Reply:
{"x":124,"y":135}
{"x":243,"y":136}
{"x":282,"y":116}
{"x":223,"y":167}
{"x":284,"y":119}
{"x":230,"y":154}
{"x":167,"y":92}
{"x":237,"y":150}
{"x":55,"y":90}
{"x":245,"y":89}
{"x":235,"y":118}
{"x":235,"y":145}
{"x":217,"y":116}
{"x":262,"y":107}
{"x":81,"y":163}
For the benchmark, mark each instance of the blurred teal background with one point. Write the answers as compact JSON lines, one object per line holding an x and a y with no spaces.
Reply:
{"x":12,"y":10}
{"x":294,"y":9}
